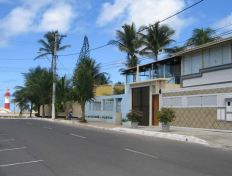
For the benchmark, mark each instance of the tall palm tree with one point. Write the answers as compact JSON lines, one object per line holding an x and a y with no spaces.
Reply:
{"x":84,"y":82}
{"x":48,"y":45}
{"x":156,"y":38}
{"x":86,"y":76}
{"x":201,"y":36}
{"x":128,"y":41}
{"x":51,"y":45}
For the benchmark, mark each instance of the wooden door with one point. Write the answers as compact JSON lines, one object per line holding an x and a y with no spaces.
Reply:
{"x":155,"y":109}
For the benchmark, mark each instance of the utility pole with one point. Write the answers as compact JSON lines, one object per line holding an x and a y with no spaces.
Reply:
{"x":54,"y":78}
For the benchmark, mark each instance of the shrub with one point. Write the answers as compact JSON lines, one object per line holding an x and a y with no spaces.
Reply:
{"x":166,"y":115}
{"x":135,"y":116}
{"x":124,"y":120}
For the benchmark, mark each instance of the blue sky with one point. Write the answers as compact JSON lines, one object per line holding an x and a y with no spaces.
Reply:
{"x":24,"y":22}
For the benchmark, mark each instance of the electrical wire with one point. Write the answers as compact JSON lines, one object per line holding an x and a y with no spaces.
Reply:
{"x":160,"y":21}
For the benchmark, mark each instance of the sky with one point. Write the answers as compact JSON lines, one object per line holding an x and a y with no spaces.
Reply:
{"x":24,"y":22}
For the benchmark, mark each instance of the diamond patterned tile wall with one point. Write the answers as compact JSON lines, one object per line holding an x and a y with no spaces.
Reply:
{"x":199,"y":118}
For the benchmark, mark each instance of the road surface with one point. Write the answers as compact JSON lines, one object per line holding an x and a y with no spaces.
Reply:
{"x":39,"y":148}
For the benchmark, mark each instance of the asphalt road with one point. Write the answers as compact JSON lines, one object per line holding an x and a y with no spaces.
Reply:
{"x":38,"y":148}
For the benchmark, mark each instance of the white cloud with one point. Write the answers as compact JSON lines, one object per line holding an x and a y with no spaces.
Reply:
{"x":143,"y":12}
{"x":225,"y":22}
{"x":19,"y":20}
{"x":112,"y":11}
{"x":58,"y":17}
{"x":37,"y":16}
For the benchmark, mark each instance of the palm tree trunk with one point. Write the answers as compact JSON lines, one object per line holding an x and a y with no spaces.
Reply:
{"x":38,"y":109}
{"x":20,"y":112}
{"x":83,"y":112}
{"x":31,"y":109}
{"x":43,"y":111}
{"x":156,"y":56}
{"x":52,"y":62}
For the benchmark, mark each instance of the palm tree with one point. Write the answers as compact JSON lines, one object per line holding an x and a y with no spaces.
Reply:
{"x":64,"y":93}
{"x":102,"y":78}
{"x":39,"y":83}
{"x":128,"y":41}
{"x":201,"y":36}
{"x":21,"y":99}
{"x":48,"y":45}
{"x":86,"y":76}
{"x":174,"y":49}
{"x":156,"y":38}
{"x":83,"y":81}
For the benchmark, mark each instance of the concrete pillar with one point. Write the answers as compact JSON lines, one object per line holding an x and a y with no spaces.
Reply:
{"x":150,"y":105}
{"x":137,"y":74}
{"x":102,"y":101}
{"x":118,"y":118}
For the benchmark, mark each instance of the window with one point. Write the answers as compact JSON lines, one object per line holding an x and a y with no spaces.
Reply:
{"x":196,"y":62}
{"x":96,"y":106}
{"x":161,"y":71}
{"x":206,"y":58}
{"x":187,"y":65}
{"x":226,"y":54}
{"x":168,"y":73}
{"x":108,"y":105}
{"x":216,"y":56}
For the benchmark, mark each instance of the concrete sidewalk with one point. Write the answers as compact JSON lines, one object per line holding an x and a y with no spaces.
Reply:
{"x":214,"y":137}
{"x":208,"y":137}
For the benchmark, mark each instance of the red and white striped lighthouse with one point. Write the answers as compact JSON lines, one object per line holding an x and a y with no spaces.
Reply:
{"x":7,"y":99}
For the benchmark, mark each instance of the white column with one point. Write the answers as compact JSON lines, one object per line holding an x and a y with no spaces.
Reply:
{"x":137,"y":74}
{"x":102,"y":101}
{"x":150,"y":105}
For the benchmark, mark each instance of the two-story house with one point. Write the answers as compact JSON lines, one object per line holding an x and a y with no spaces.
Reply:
{"x":196,"y":83}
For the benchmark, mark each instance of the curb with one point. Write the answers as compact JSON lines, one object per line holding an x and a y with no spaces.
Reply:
{"x":171,"y":136}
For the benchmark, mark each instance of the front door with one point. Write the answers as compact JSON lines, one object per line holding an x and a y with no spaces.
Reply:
{"x":155,"y":109}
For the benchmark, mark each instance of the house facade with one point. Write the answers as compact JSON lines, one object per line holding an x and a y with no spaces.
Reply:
{"x":196,"y":83}
{"x":144,"y":85}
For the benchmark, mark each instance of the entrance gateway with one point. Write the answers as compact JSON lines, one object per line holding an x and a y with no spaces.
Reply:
{"x":141,"y":102}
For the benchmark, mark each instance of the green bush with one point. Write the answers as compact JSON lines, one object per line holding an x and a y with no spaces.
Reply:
{"x":135,"y":116}
{"x":166,"y":115}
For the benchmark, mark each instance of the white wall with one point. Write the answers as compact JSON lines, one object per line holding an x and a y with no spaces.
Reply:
{"x":209,"y":78}
{"x":110,"y":111}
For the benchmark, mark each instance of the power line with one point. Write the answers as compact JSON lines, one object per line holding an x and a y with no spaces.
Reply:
{"x":109,"y":43}
{"x":76,"y":53}
{"x":198,"y":2}
{"x":217,"y":29}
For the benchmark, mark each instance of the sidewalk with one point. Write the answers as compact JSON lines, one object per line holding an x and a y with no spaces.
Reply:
{"x":212,"y":138}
